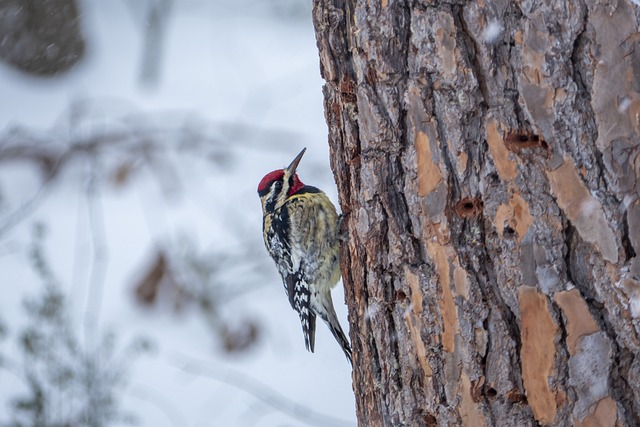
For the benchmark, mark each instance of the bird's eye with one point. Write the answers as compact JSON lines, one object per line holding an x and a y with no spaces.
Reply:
{"x":278,"y":185}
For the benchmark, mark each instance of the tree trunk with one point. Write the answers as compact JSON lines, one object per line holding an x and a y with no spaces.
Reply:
{"x":487,"y":157}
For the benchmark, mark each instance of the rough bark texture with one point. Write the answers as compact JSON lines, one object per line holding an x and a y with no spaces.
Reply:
{"x":487,"y":156}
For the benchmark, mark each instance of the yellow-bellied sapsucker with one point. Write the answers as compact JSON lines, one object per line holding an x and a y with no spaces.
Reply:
{"x":301,"y":233}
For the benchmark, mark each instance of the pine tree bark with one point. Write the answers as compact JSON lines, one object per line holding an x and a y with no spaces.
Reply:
{"x":487,"y":157}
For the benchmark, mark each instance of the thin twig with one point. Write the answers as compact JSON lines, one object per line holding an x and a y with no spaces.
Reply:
{"x":30,"y":205}
{"x":173,"y":414}
{"x":100,"y":256}
{"x":260,"y":391}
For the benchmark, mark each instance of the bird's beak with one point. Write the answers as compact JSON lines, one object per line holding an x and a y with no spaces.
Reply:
{"x":294,"y":164}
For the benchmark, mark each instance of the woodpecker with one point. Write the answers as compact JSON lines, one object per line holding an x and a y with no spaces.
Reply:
{"x":301,"y":232}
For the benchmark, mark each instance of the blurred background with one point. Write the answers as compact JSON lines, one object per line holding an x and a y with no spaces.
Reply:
{"x":135,"y":287}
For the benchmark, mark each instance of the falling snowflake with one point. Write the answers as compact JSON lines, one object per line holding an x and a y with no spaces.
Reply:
{"x":625,"y":102}
{"x":492,"y":31}
{"x":634,"y":305}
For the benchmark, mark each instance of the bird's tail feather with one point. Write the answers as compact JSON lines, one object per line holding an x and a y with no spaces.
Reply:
{"x":342,"y":339}
{"x":309,"y":329}
{"x":328,"y":314}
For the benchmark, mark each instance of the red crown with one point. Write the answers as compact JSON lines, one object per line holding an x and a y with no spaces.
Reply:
{"x":269,"y":178}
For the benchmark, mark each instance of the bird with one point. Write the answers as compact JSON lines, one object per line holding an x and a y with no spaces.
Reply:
{"x":301,"y":231}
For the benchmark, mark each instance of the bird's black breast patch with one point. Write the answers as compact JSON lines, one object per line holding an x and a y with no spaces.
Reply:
{"x":280,"y":224}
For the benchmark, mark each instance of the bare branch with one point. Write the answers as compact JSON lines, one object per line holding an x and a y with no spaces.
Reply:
{"x":100,"y":256}
{"x":166,"y":406}
{"x":258,"y":390}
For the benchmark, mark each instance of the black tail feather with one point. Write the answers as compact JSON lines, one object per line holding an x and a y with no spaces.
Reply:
{"x":309,"y":330}
{"x":342,"y":340}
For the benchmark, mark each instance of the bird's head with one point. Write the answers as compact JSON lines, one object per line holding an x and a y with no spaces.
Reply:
{"x":277,"y":186}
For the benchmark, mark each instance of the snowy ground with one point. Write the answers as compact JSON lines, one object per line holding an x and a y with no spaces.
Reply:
{"x":221,"y":66}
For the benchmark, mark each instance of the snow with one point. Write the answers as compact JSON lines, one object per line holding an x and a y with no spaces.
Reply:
{"x":492,"y":32}
{"x":624,"y":104}
{"x":634,"y":305}
{"x":223,"y":70}
{"x":372,"y":311}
